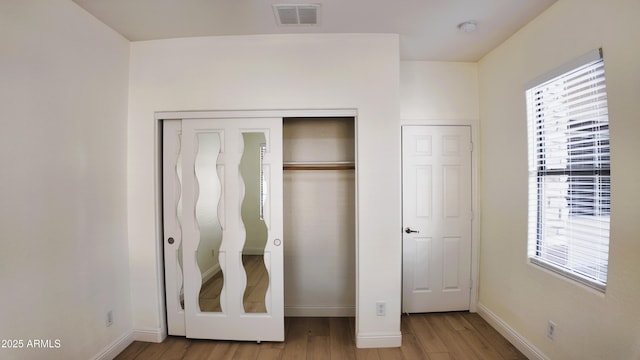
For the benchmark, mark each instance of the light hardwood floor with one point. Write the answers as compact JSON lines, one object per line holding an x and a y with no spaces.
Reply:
{"x":441,"y":336}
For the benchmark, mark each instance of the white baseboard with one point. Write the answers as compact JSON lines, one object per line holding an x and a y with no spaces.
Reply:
{"x":521,"y":343}
{"x":379,"y":340}
{"x":207,"y":275}
{"x":253,"y":250}
{"x":320,"y":311}
{"x":116,"y":347}
{"x":149,"y":335}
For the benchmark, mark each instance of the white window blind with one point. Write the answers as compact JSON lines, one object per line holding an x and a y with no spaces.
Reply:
{"x":569,"y":173}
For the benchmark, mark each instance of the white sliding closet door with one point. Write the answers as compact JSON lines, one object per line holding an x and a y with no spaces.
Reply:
{"x":223,"y":228}
{"x":172,"y":214}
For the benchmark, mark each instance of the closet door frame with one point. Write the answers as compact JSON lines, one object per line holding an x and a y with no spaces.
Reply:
{"x":159,"y":117}
{"x":475,"y":221}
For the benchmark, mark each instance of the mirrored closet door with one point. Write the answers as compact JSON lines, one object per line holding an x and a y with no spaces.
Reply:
{"x":223,"y":228}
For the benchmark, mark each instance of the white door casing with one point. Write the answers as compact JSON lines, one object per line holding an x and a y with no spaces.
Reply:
{"x":232,"y":322}
{"x":437,"y":212}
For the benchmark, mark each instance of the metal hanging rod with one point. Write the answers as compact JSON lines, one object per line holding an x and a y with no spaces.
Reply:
{"x":319,"y":165}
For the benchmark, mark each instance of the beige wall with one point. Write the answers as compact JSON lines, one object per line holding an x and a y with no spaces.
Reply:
{"x":590,"y":325}
{"x":435,"y":90}
{"x":63,"y":214}
{"x":275,"y":72}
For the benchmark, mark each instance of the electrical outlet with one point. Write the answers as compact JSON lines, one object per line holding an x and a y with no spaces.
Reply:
{"x":381,"y":308}
{"x":551,"y":330}
{"x":109,"y":320}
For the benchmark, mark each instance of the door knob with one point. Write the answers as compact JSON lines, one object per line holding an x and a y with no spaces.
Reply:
{"x":409,"y":231}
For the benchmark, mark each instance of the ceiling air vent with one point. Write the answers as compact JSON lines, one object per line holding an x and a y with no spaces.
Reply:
{"x":302,"y":14}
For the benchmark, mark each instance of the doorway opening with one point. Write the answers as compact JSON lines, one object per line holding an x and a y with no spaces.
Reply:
{"x":321,"y":241}
{"x":437,"y":193}
{"x":319,"y":216}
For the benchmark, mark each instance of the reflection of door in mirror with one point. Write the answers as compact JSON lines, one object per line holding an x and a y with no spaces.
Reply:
{"x":208,"y":199}
{"x":255,"y":193}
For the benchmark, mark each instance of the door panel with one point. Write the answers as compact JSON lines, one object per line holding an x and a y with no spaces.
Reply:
{"x":231,"y":224}
{"x":437,"y":208}
{"x":172,"y":192}
{"x":451,"y":191}
{"x":423,"y":189}
{"x":421,"y":273}
{"x":450,"y":272}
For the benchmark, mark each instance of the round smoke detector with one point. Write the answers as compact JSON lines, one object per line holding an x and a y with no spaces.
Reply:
{"x":468,"y":26}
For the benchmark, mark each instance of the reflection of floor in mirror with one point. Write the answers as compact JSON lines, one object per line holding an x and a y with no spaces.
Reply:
{"x":210,"y":294}
{"x":257,"y":283}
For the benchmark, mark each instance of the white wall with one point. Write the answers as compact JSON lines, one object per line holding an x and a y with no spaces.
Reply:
{"x":275,"y":72}
{"x":432,"y":90}
{"x":63,"y":215}
{"x":523,"y":297}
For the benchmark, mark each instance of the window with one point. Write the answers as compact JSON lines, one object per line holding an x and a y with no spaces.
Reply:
{"x":569,"y":172}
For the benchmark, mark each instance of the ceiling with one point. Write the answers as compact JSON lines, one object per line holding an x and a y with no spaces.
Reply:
{"x":428,"y":29}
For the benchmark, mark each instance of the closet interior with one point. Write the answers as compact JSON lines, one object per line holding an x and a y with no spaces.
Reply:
{"x":319,"y":216}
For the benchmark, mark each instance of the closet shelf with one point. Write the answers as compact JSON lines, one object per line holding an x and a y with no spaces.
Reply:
{"x":319,"y":165}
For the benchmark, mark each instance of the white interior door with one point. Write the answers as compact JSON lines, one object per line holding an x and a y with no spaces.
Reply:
{"x":436,"y":169}
{"x":223,"y":228}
